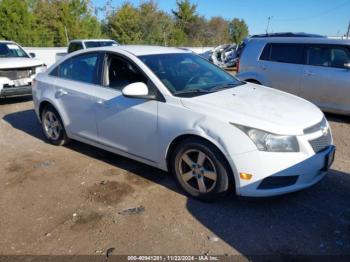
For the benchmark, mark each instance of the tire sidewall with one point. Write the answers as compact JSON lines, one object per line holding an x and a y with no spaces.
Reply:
{"x":62,"y":137}
{"x":222,"y":184}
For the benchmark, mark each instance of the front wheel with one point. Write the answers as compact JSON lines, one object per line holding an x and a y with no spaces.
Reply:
{"x":200,"y":169}
{"x":52,"y":126}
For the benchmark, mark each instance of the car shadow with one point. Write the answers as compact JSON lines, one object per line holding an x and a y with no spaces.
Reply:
{"x":315,"y":221}
{"x":15,"y":99}
{"x":337,"y":118}
{"x":27,"y":122}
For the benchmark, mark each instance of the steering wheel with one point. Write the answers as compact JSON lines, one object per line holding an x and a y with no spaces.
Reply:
{"x":196,"y":76}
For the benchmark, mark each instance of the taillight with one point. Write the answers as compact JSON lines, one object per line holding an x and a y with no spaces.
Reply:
{"x":237,"y":65}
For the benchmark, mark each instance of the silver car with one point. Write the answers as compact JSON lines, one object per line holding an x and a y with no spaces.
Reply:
{"x":316,"y":69}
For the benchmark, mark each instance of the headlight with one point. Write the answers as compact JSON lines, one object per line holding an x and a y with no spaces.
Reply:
{"x":40,"y":69}
{"x":265,"y":141}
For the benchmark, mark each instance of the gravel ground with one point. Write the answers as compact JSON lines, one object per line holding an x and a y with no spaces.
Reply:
{"x":82,"y":200}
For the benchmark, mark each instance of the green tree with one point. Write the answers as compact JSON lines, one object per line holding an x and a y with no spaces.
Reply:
{"x":17,"y":22}
{"x":218,"y":31}
{"x":238,"y":30}
{"x":57,"y":20}
{"x":155,"y":25}
{"x":124,"y":25}
{"x":185,"y":18}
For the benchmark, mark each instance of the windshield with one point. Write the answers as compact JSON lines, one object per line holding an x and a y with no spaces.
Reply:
{"x":189,"y":74}
{"x":91,"y":44}
{"x":11,"y":50}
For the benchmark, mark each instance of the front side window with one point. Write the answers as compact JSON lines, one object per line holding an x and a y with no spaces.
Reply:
{"x":283,"y":53}
{"x":82,"y":68}
{"x":328,"y":56}
{"x":11,"y":50}
{"x":120,"y":73}
{"x":186,"y":73}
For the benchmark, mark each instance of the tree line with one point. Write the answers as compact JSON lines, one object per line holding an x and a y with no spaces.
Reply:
{"x":54,"y":22}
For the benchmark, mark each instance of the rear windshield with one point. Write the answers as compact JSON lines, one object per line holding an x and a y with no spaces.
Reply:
{"x":91,"y":44}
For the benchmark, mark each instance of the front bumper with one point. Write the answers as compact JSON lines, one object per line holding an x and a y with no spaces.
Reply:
{"x":281,"y":173}
{"x":16,"y":91}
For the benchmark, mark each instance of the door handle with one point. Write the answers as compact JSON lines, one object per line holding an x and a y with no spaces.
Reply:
{"x":61,"y":93}
{"x":263,"y":67}
{"x":100,"y":102}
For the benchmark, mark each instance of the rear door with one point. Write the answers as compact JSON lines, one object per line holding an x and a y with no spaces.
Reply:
{"x":326,"y":80}
{"x":76,"y":86}
{"x":282,"y":65}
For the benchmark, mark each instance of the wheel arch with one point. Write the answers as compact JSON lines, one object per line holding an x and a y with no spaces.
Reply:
{"x":176,"y":141}
{"x":45,"y":103}
{"x":254,"y":81}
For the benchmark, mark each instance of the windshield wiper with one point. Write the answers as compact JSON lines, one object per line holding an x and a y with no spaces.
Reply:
{"x":225,"y":86}
{"x":190,"y":91}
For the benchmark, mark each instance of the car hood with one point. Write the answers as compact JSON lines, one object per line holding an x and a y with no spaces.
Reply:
{"x":259,"y":107}
{"x":19,"y":62}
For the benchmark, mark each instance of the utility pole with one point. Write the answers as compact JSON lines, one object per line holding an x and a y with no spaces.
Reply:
{"x":65,"y":30}
{"x":348,"y":33}
{"x":268,"y":24}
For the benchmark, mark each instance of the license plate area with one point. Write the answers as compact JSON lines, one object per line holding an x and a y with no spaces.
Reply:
{"x":21,"y":82}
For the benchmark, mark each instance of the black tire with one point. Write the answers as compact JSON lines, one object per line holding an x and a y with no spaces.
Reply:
{"x":60,"y":139}
{"x":224,"y":179}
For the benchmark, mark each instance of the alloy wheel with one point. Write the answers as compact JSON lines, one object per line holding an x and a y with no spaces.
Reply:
{"x":197,"y":171}
{"x":52,"y":125}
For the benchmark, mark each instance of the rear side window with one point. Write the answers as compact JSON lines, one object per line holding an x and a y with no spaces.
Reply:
{"x":328,"y":56}
{"x":74,"y":47}
{"x":283,"y":53}
{"x":83,"y":68}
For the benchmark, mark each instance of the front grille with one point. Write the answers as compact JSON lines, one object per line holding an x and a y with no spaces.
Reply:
{"x":273,"y":182}
{"x":321,"y":143}
{"x":18,"y":73}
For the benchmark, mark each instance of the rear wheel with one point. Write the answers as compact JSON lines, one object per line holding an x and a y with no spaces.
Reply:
{"x":200,"y":169}
{"x":52,"y":126}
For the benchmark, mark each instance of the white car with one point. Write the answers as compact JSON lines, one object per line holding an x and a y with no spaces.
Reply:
{"x":173,"y":110}
{"x":17,"y":69}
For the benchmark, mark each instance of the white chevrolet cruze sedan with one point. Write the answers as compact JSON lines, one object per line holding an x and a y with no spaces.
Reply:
{"x":173,"y":110}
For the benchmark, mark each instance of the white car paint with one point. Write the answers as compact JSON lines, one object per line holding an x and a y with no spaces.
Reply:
{"x":143,"y":130}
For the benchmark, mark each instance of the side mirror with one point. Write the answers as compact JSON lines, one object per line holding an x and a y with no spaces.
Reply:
{"x":137,"y":90}
{"x":32,"y":55}
{"x":347,"y":65}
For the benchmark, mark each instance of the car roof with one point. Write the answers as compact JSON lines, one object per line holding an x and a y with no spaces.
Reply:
{"x":302,"y":40}
{"x":139,"y":50}
{"x":287,"y":34}
{"x":90,"y":40}
{"x":7,"y":42}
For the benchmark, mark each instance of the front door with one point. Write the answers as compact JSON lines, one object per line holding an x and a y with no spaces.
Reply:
{"x":126,"y":124}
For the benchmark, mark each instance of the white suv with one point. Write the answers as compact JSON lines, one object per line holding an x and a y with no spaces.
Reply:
{"x":315,"y":68}
{"x":174,"y":110}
